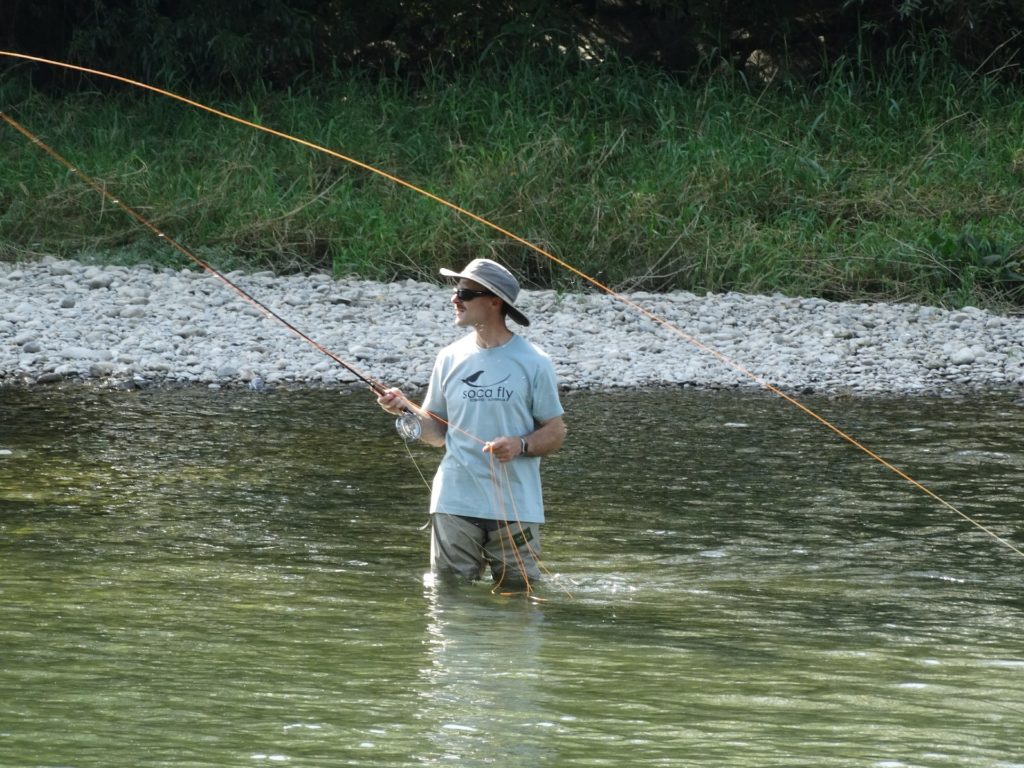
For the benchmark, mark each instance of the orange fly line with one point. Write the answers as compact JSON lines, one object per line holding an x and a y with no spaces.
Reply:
{"x":374,"y":385}
{"x":516,"y":238}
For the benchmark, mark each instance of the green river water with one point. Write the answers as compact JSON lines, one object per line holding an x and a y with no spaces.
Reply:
{"x":225,"y":578}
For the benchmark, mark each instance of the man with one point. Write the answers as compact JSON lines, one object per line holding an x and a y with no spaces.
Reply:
{"x":492,"y":396}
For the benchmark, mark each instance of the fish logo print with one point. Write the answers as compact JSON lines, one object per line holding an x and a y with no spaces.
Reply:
{"x":476,"y":391}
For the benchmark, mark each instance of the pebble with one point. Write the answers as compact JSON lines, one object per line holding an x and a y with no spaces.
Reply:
{"x":122,"y":327}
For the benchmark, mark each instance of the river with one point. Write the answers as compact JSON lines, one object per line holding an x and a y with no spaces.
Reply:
{"x":229,"y":578}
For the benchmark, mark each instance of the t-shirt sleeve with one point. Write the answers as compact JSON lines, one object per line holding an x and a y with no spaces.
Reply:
{"x":434,"y":401}
{"x":546,"y":404}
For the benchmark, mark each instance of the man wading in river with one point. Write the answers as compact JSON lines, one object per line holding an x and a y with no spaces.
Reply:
{"x":495,"y":397}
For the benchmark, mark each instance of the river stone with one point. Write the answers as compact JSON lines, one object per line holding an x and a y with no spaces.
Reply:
{"x":964,"y":356}
{"x":100,"y":281}
{"x":193,"y":325}
{"x":77,"y":353}
{"x":101,"y":369}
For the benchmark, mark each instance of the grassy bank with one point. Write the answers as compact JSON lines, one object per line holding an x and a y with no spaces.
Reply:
{"x":907,"y":190}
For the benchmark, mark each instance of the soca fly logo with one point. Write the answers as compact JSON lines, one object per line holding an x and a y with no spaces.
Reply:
{"x":490,"y":392}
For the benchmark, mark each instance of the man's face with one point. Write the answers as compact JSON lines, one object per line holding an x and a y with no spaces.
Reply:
{"x":472,"y":310}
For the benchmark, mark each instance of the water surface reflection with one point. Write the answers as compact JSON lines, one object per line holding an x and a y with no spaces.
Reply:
{"x":230,"y":578}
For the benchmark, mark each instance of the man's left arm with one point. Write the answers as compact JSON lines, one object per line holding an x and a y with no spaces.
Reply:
{"x":546,"y":438}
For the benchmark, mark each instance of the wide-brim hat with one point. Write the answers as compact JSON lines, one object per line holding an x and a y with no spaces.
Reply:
{"x":495,"y":278}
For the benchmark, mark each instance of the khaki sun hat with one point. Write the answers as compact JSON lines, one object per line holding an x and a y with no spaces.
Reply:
{"x":495,"y":278}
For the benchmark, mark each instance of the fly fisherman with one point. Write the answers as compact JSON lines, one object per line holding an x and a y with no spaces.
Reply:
{"x":492,"y":396}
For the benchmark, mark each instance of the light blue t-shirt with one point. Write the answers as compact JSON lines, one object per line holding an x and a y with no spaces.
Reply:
{"x":484,"y":394}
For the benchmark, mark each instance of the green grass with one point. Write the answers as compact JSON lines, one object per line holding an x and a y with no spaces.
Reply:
{"x":907,"y":188}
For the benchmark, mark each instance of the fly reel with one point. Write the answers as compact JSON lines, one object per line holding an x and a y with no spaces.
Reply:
{"x":409,"y":427}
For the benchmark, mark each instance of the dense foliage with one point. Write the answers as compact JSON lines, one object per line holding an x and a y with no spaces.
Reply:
{"x":846,"y":190}
{"x":848,"y":149}
{"x":234,"y":43}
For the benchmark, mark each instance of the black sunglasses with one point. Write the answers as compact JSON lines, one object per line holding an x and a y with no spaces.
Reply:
{"x":468,"y":294}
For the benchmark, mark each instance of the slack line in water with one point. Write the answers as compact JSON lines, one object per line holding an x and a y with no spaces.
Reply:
{"x":405,"y":426}
{"x":408,"y":424}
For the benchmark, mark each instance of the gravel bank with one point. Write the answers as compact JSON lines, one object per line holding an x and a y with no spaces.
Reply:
{"x":127,"y":327}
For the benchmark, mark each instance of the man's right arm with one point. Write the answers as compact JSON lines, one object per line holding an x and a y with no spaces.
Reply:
{"x":434,"y":430}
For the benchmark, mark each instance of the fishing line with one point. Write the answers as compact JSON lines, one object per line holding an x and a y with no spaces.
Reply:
{"x":527,"y":544}
{"x":407,"y":425}
{"x":554,"y":259}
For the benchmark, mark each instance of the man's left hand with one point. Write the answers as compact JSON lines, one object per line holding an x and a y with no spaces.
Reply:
{"x":505,"y":449}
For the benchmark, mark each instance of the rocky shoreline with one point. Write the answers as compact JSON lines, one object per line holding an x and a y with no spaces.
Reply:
{"x":135,"y":327}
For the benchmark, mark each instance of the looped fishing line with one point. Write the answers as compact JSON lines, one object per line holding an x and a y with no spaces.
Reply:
{"x":408,"y":425}
{"x":554,"y":259}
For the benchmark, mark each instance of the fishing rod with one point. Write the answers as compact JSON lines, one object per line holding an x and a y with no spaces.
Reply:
{"x":690,"y":339}
{"x":407,"y":425}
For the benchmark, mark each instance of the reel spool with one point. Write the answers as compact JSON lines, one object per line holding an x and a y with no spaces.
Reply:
{"x":409,"y":427}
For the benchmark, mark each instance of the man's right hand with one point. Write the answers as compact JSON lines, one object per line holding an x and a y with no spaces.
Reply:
{"x":393,"y":401}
